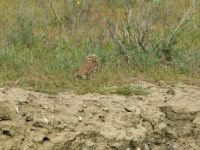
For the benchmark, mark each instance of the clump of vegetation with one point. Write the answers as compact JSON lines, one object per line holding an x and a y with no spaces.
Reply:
{"x":42,"y":44}
{"x":130,"y":90}
{"x":140,"y":91}
{"x":124,"y":90}
{"x":143,"y":47}
{"x":21,"y":32}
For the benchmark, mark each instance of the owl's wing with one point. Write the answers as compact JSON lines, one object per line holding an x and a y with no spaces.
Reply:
{"x":87,"y":69}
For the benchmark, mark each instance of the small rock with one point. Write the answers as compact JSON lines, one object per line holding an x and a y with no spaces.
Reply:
{"x":29,"y":117}
{"x":8,"y":132}
{"x":105,"y":109}
{"x":172,"y":133}
{"x":141,"y":146}
{"x":197,"y":120}
{"x":41,"y":139}
{"x":171,"y":91}
{"x":140,"y":98}
{"x":31,"y":97}
{"x":80,"y":118}
{"x":89,"y":144}
{"x":6,"y":113}
{"x":146,"y":147}
{"x":185,"y":130}
{"x":160,"y":129}
{"x":118,"y":145}
{"x":4,"y":90}
{"x":81,"y":110}
{"x":40,"y":123}
{"x":170,"y":147}
{"x":102,"y":118}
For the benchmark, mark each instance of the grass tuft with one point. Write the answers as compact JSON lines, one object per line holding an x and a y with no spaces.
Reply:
{"x":130,"y":90}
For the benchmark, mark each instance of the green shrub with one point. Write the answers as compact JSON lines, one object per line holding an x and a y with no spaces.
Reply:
{"x":21,"y":32}
{"x":128,"y":90}
{"x":144,"y":48}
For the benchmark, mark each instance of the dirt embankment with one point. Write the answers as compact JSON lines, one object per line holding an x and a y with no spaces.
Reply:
{"x":166,"y":119}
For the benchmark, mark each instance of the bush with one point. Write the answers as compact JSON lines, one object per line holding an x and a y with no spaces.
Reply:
{"x":21,"y":32}
{"x":143,"y":47}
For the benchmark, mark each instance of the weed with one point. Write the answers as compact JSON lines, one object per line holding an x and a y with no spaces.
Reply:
{"x":128,"y":90}
{"x":144,"y":48}
{"x":21,"y":33}
{"x":124,"y":90}
{"x":140,"y":91}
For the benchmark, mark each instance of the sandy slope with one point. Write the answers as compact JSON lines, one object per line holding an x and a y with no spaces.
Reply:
{"x":168,"y":118}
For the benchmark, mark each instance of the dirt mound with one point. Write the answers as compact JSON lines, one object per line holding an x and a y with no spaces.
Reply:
{"x":166,"y":119}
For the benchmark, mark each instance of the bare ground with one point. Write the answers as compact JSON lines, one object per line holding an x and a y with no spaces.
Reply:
{"x":166,"y":119}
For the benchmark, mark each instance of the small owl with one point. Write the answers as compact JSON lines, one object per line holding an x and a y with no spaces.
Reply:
{"x":90,"y":65}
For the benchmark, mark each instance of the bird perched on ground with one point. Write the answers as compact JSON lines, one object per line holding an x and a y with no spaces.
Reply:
{"x":90,"y":65}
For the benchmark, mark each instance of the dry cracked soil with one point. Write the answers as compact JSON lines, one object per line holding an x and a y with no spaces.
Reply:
{"x":168,"y":118}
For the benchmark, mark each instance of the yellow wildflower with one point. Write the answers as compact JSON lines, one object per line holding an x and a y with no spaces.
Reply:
{"x":78,"y":2}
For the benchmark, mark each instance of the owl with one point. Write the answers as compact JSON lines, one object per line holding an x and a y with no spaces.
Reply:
{"x":90,"y":65}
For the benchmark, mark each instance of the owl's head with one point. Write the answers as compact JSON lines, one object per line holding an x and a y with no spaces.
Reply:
{"x":92,"y":57}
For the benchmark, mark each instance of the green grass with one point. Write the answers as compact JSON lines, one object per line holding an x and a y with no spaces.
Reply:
{"x":128,"y":90}
{"x":43,"y":43}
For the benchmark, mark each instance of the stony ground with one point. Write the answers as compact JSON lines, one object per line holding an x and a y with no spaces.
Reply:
{"x":166,"y":119}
